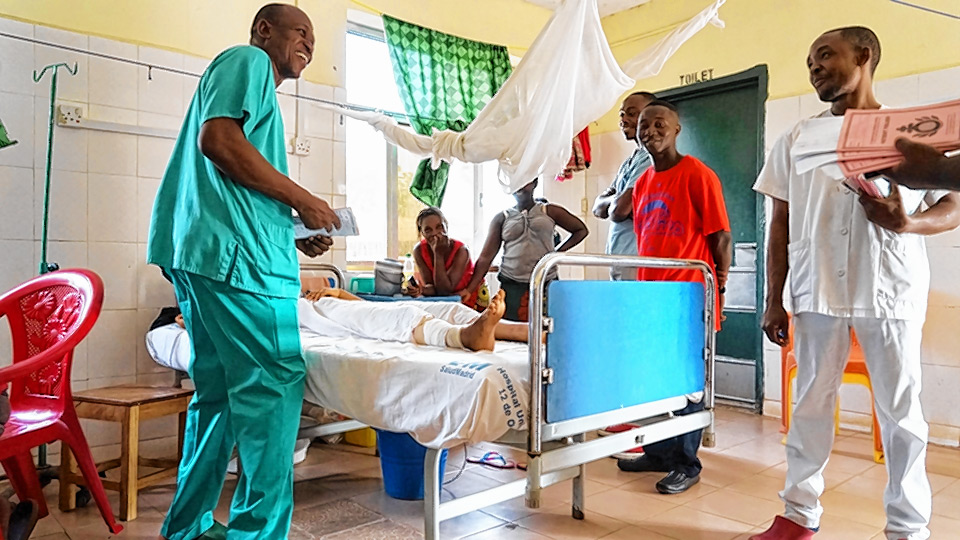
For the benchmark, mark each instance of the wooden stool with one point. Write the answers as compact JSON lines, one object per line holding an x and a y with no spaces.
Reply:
{"x":127,"y":404}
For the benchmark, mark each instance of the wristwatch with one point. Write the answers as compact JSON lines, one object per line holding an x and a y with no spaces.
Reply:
{"x":723,"y":289}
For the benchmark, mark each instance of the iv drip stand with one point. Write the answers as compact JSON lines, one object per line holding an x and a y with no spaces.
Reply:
{"x":44,"y":265}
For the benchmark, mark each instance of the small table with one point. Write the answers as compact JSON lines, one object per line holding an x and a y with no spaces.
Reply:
{"x":127,"y":404}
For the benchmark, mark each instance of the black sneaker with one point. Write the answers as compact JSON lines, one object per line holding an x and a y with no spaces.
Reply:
{"x":22,"y":520}
{"x":676,"y":482}
{"x":641,"y":464}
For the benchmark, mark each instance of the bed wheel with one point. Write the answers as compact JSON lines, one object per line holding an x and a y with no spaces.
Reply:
{"x":709,"y":439}
{"x":83,"y":497}
{"x":577,"y":513}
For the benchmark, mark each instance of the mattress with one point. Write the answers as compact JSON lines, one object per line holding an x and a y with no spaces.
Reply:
{"x":442,"y":397}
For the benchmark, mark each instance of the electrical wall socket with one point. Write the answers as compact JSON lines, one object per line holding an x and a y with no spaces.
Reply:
{"x":69,"y":114}
{"x":301,"y":146}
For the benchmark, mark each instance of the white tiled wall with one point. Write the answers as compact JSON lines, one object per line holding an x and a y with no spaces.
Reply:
{"x":608,"y":150}
{"x":941,"y":341}
{"x":103,"y":187}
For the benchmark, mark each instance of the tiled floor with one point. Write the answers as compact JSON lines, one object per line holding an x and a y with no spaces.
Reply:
{"x":339,"y":495}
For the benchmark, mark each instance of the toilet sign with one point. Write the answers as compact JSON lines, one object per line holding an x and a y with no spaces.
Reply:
{"x":696,"y":77}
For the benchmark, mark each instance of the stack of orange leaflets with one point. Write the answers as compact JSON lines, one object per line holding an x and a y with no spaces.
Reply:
{"x":866,"y":142}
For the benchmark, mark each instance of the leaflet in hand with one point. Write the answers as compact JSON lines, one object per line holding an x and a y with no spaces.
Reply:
{"x":348,"y":226}
{"x":862,"y":141}
{"x":866,"y":142}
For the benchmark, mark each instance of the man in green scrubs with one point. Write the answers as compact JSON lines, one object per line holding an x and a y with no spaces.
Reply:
{"x":222,"y":229}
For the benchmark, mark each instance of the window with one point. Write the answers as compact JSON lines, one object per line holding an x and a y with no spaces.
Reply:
{"x":369,"y":82}
{"x":379,"y":174}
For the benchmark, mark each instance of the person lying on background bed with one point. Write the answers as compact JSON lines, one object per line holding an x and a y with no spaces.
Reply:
{"x":335,"y":313}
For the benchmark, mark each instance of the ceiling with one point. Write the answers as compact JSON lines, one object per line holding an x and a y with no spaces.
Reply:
{"x":605,"y":7}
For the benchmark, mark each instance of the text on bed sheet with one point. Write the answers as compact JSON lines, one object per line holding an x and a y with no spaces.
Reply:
{"x":512,"y":408}
{"x":464,"y":369}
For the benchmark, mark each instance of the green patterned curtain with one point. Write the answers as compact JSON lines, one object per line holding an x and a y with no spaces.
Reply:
{"x":444,"y":81}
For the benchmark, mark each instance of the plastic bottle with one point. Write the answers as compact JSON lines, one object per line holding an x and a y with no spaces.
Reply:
{"x":408,"y":268}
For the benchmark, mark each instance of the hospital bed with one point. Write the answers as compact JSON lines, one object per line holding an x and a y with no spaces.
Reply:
{"x":614,"y":352}
{"x":656,"y":347}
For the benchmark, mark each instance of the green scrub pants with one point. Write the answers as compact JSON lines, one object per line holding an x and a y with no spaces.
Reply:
{"x":248,"y":371}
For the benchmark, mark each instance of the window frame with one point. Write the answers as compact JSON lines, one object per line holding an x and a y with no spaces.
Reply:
{"x":365,"y":30}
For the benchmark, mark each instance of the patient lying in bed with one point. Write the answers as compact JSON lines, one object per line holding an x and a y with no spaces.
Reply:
{"x":334,"y":312}
{"x":337,"y":313}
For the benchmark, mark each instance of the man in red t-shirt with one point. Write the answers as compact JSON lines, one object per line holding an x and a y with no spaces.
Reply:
{"x":678,"y":213}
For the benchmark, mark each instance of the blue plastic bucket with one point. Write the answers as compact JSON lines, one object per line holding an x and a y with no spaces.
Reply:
{"x":401,"y":461}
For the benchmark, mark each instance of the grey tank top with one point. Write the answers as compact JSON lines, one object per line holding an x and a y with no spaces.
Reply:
{"x":527,"y":236}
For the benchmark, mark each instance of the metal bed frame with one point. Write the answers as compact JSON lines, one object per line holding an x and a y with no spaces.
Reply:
{"x":559,"y":451}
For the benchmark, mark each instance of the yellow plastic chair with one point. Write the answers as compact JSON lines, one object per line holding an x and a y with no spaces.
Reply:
{"x":855,"y":372}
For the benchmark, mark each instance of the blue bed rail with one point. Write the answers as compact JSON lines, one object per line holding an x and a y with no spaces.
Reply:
{"x":680,"y":340}
{"x":619,"y":344}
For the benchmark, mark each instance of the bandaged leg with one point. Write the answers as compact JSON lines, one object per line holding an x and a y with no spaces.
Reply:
{"x":439,"y":333}
{"x":479,"y":335}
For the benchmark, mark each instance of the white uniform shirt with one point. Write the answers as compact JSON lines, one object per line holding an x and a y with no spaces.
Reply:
{"x":841,"y":264}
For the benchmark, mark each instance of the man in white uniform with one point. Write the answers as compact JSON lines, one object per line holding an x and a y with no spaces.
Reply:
{"x":856,"y":263}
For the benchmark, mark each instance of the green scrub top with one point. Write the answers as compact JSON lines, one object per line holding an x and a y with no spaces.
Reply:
{"x":205,"y":223}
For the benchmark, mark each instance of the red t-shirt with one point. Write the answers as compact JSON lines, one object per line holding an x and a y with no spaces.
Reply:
{"x":673,"y":213}
{"x":427,"y":253}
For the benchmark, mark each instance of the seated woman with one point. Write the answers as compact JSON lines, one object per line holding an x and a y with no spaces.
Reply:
{"x":335,"y":312}
{"x":526,"y":233}
{"x":457,"y":268}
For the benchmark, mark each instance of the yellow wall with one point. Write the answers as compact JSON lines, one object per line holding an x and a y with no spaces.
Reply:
{"x":778,"y":33}
{"x":206,"y":27}
{"x":772,"y":32}
{"x":197,"y":27}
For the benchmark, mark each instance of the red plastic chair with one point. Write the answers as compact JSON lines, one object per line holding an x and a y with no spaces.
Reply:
{"x":48,"y":317}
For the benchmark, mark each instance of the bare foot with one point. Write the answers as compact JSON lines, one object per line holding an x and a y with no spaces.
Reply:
{"x":480,"y":335}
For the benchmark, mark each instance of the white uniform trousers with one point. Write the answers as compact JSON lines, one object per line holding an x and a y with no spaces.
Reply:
{"x":892,"y":351}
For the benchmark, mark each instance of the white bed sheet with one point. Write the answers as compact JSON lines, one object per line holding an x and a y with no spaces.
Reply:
{"x":442,"y":397}
{"x":169,"y":346}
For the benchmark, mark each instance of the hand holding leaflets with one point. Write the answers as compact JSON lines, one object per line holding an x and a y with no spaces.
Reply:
{"x":856,"y":147}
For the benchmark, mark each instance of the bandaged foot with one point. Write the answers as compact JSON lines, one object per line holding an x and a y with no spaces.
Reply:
{"x":480,"y":335}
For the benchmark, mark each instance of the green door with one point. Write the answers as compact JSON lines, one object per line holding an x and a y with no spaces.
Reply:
{"x":722,"y":125}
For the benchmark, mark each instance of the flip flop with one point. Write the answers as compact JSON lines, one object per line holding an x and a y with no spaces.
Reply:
{"x":495,"y":460}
